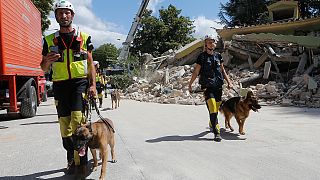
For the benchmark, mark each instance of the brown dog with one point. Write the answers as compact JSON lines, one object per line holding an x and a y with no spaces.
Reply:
{"x":239,"y":108}
{"x":97,"y":136}
{"x":115,"y":98}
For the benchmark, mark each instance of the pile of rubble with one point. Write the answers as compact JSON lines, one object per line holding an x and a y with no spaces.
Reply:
{"x":170,"y":86}
{"x":279,"y":69}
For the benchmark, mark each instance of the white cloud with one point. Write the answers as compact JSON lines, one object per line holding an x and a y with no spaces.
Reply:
{"x":105,"y":32}
{"x":100,"y":31}
{"x":153,"y":4}
{"x":204,"y":26}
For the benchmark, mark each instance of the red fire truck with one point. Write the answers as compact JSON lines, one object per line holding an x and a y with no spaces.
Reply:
{"x":22,"y":82}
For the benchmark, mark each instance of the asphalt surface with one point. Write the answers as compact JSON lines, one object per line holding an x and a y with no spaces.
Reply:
{"x":164,"y":141}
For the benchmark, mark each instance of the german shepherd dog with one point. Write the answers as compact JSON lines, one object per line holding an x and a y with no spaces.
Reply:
{"x":98,"y":135}
{"x":239,"y":107}
{"x":115,"y":98}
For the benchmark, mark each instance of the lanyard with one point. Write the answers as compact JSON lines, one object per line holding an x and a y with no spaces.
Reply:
{"x":70,"y":42}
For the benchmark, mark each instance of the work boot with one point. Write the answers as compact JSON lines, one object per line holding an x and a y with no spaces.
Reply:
{"x":70,"y":168}
{"x":217,"y":137}
{"x":81,"y":172}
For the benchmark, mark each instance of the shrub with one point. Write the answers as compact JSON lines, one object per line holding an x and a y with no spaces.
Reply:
{"x":122,"y":81}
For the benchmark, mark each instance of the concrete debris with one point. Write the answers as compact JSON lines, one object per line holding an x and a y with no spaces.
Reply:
{"x":175,"y":90}
{"x":282,"y":72}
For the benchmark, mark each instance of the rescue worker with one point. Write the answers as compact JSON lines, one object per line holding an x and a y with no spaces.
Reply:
{"x":68,"y":53}
{"x":106,"y":81}
{"x":210,"y":67}
{"x":100,"y":83}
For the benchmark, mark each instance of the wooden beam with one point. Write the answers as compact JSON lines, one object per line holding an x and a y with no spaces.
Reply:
{"x":261,"y":60}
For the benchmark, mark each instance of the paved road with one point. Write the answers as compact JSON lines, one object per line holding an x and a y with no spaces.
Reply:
{"x":156,"y":141}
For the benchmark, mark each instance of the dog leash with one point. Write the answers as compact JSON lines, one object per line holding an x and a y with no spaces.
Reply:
{"x":88,"y":112}
{"x":235,"y":91}
{"x":195,"y":91}
{"x":94,"y":104}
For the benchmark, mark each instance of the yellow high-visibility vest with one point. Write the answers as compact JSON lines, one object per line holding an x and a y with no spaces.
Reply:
{"x":100,"y":78}
{"x":69,"y":68}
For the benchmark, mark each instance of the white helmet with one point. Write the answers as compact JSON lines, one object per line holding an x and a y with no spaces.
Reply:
{"x":95,"y":62}
{"x":62,"y":4}
{"x":209,"y":36}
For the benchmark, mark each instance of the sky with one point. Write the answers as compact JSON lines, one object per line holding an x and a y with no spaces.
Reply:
{"x":109,"y":21}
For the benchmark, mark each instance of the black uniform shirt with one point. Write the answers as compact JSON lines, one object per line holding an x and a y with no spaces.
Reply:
{"x":210,"y":72}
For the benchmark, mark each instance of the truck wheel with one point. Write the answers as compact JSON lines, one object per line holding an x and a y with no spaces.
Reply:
{"x":29,"y":105}
{"x":45,"y":95}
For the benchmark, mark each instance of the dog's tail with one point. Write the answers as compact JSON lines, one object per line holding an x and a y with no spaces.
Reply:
{"x":221,"y":105}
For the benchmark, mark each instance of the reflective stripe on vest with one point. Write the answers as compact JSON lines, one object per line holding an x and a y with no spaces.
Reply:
{"x":77,"y":69}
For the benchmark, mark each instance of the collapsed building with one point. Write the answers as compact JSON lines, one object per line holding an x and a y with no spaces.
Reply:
{"x":279,"y":61}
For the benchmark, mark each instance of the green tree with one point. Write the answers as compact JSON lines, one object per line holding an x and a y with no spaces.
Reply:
{"x":121,"y":81}
{"x":241,"y":12}
{"x":157,"y":35}
{"x":309,"y":8}
{"x":251,"y":12}
{"x":105,"y":54}
{"x":44,"y":6}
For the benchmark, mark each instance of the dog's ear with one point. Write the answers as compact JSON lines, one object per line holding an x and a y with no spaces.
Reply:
{"x":249,"y":94}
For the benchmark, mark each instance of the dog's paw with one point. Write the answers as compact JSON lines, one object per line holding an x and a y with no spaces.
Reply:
{"x":231,"y":129}
{"x":242,"y":133}
{"x":113,"y":161}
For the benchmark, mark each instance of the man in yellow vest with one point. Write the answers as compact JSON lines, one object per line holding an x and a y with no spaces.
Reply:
{"x":100,"y":83}
{"x":68,"y":53}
